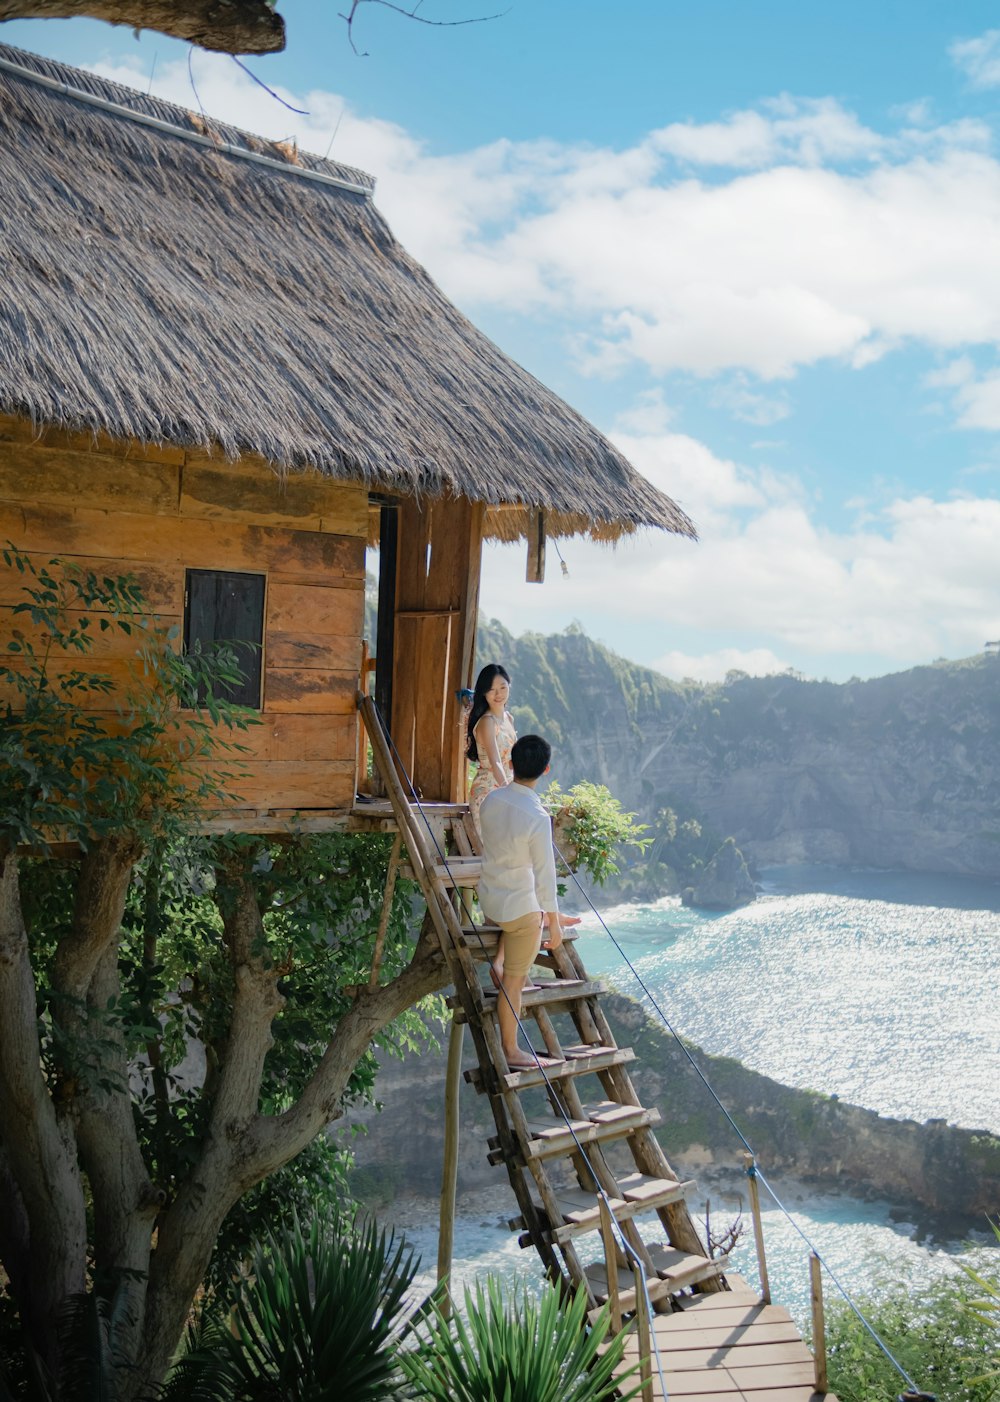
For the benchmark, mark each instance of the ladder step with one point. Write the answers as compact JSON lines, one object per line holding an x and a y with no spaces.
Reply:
{"x":579,"y":1061}
{"x":552,"y":993}
{"x":675,"y":1271}
{"x":482,"y":939}
{"x":457,"y":871}
{"x":552,"y":1137}
{"x":581,"y":1213}
{"x":681,"y":1269}
{"x":609,"y":1112}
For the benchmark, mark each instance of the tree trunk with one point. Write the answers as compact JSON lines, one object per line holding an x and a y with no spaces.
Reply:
{"x":241,"y":1150}
{"x":38,"y":1145}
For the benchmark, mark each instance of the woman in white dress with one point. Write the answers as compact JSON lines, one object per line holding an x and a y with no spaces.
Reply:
{"x":491,"y":735}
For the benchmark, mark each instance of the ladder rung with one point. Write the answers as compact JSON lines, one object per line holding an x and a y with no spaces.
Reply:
{"x":558,"y":1140}
{"x":478,"y":936}
{"x":575,"y":1065}
{"x":639,"y":1188}
{"x":582,"y":1214}
{"x":680,"y":1270}
{"x":459,"y":871}
{"x":609,"y":1112}
{"x":551,"y":994}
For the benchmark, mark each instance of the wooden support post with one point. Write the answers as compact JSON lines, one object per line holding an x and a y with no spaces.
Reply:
{"x":385,"y":636}
{"x":644,"y":1334}
{"x":383,"y":919}
{"x":535,"y":572}
{"x":361,"y":782}
{"x":758,"y":1229}
{"x":818,"y":1321}
{"x":611,"y":1259}
{"x":449,"y":1175}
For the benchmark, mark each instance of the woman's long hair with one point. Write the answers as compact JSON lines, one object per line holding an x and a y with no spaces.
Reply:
{"x":480,"y":705}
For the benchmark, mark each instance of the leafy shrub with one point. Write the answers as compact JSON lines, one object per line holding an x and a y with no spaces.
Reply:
{"x":317,"y":1318}
{"x":529,"y":1352}
{"x":934,"y":1332}
{"x":591,"y":827}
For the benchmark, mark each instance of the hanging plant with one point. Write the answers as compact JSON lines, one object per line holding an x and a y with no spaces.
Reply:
{"x":590,"y":827}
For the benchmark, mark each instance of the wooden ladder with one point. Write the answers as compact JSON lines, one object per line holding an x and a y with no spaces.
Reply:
{"x":581,"y":1162}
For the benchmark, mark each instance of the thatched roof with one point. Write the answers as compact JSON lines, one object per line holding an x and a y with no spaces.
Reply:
{"x":169,"y":279}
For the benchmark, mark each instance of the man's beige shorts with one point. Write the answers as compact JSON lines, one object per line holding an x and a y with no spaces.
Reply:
{"x":521,"y":941}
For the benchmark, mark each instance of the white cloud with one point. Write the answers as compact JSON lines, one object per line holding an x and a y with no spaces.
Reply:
{"x":749,"y":405}
{"x":979,"y":402}
{"x":713,"y":666}
{"x":649,"y":413}
{"x":979,"y":58}
{"x":911,"y":580}
{"x":788,"y":262}
{"x":952,"y":375}
{"x":709,"y":488}
{"x":806,"y":131}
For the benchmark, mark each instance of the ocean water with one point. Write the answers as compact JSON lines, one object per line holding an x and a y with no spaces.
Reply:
{"x":880,"y":987}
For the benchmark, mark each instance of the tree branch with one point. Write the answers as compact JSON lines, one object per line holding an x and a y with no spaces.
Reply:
{"x":411,"y":13}
{"x":228,"y":26}
{"x":256,"y":1001}
{"x":15,"y":1233}
{"x":271,"y":1141}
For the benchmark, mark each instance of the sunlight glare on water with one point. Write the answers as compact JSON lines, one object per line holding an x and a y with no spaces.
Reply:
{"x":888,"y":1004}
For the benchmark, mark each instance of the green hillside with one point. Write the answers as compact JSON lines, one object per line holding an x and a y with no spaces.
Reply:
{"x":900,"y":771}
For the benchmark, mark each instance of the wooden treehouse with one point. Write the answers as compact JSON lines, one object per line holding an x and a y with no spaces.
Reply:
{"x":221,"y":374}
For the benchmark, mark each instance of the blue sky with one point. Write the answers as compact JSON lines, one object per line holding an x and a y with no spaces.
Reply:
{"x":758,"y":245}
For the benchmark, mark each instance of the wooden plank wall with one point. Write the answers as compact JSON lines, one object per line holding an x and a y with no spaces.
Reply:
{"x":157,"y":512}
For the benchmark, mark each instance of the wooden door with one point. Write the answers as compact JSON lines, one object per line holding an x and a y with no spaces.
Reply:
{"x":439,"y":552}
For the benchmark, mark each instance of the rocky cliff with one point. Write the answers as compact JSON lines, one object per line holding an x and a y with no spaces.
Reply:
{"x":901,"y":771}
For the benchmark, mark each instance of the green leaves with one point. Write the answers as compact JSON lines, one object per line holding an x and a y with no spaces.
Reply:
{"x":525,"y":1351}
{"x":76,"y":765}
{"x":317,"y":1319}
{"x":935,"y":1331}
{"x":595,"y":825}
{"x":987,"y":1308}
{"x":323,"y":1315}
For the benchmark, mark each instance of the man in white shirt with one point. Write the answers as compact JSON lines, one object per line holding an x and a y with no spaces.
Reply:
{"x":518,"y":882}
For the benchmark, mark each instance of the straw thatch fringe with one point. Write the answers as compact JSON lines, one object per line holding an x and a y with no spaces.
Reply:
{"x":161,"y":291}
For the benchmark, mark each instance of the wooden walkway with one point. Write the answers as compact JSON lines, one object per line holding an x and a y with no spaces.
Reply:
{"x":730,"y":1348}
{"x":582,"y":1159}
